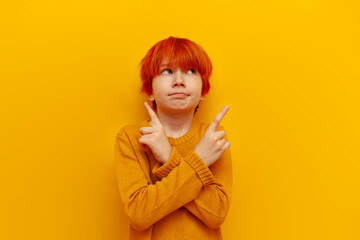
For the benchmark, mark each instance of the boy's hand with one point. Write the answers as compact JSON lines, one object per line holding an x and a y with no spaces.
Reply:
{"x":212,"y":145}
{"x":155,"y":137}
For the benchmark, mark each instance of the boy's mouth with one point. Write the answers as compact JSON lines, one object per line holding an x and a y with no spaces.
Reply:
{"x":179,"y":95}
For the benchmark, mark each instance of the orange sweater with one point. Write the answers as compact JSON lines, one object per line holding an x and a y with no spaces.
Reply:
{"x":181,"y":199}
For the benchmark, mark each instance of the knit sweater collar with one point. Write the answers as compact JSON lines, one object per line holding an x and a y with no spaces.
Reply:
{"x":184,"y":138}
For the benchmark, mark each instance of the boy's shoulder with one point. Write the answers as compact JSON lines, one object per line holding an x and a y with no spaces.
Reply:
{"x":132,"y":128}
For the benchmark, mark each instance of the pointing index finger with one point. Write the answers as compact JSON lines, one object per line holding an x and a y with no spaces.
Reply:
{"x":215,"y":123}
{"x":153,"y":116}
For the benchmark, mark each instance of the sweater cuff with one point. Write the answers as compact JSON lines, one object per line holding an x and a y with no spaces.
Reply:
{"x":200,"y":168}
{"x":163,"y":170}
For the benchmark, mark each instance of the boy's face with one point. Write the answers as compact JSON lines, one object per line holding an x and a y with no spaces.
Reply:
{"x":176,"y":90}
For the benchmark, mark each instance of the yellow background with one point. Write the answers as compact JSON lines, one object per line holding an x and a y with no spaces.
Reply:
{"x":288,"y":70}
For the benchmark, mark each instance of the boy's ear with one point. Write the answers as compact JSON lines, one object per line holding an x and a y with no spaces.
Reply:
{"x":202,"y":97}
{"x":151,"y":98}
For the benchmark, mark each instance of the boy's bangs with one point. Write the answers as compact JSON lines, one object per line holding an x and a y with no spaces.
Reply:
{"x":179,"y":56}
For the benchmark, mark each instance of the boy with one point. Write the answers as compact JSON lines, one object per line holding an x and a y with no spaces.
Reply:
{"x":175,"y":172}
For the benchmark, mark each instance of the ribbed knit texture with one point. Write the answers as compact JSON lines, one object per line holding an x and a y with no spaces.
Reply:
{"x":181,"y":199}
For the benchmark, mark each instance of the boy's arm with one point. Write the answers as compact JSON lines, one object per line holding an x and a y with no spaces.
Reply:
{"x":145,"y":203}
{"x":212,"y":204}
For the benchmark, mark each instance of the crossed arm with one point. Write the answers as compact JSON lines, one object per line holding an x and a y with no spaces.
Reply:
{"x":189,"y":183}
{"x":212,"y":203}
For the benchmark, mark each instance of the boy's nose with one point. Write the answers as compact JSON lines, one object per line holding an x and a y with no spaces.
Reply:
{"x":178,"y":81}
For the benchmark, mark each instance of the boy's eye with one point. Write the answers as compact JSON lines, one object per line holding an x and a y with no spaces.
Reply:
{"x":166,"y":71}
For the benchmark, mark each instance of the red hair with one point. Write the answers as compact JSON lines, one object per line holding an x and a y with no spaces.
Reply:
{"x":180,"y":52}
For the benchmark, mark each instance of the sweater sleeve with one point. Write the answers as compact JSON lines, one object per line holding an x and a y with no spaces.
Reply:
{"x":162,"y":170}
{"x":212,"y":204}
{"x":147,"y":203}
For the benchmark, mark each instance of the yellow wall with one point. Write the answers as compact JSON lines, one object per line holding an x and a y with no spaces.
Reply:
{"x":289,"y":71}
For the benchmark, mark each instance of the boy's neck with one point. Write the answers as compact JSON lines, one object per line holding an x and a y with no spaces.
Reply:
{"x":176,"y":125}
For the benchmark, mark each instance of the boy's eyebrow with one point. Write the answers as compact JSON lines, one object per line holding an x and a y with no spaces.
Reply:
{"x":163,"y":66}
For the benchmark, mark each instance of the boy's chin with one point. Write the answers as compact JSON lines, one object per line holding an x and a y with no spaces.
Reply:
{"x":179,"y":110}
